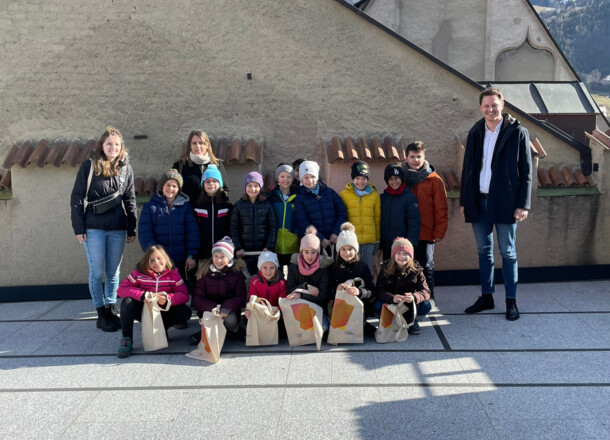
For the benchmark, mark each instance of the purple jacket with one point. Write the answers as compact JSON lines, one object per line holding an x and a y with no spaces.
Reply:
{"x":226,"y":287}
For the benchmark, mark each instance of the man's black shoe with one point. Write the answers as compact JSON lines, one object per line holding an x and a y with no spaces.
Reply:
{"x":484,"y":302}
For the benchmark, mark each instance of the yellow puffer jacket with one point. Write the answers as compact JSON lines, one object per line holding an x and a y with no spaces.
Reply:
{"x":363,"y":212}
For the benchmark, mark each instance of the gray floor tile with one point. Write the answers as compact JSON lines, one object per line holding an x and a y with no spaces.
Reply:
{"x":417,"y":368}
{"x":267,"y":369}
{"x":39,"y":415}
{"x":71,"y":309}
{"x":535,"y":403}
{"x":230,"y":370}
{"x":26,"y":310}
{"x":488,"y":368}
{"x":141,"y":405}
{"x":310,"y":368}
{"x":220,"y":408}
{"x":353,"y":368}
{"x":580,"y":296}
{"x":33,"y":337}
{"x":517,"y":429}
{"x":325,"y":429}
{"x":331,"y":404}
{"x":137,"y":430}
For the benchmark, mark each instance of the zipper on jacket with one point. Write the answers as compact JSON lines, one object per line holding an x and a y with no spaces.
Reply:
{"x":213,"y":217}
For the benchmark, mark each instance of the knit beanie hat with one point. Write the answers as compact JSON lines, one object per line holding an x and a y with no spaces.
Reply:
{"x":284,"y":168}
{"x":310,"y":239}
{"x":401,"y":244}
{"x":254,"y":177}
{"x":393,"y":169}
{"x":309,"y":167}
{"x":267,"y":256}
{"x":225,"y":246}
{"x":347,"y":237}
{"x":360,"y":168}
{"x":212,"y":172}
{"x":172,"y":174}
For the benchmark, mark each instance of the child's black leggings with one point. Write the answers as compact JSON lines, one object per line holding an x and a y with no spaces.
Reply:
{"x":132,"y":310}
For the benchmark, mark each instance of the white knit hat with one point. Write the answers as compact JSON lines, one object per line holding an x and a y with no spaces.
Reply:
{"x":347,"y":237}
{"x":309,"y":167}
{"x":267,"y":256}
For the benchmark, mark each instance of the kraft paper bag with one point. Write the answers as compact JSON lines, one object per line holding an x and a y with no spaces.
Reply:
{"x":262,"y":325}
{"x":213,"y":333}
{"x":303,"y":321}
{"x":392,"y":325}
{"x":347,"y":319}
{"x":153,"y":330}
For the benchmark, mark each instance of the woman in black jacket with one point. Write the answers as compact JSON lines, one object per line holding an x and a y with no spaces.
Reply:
{"x":103,"y":211}
{"x":194,"y":161}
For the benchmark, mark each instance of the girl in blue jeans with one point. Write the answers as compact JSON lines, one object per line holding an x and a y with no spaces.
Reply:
{"x":103,"y":212}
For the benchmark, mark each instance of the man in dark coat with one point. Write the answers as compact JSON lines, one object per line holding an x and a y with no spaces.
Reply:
{"x":496,"y":191}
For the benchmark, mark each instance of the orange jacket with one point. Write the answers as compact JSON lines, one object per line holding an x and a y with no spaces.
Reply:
{"x":432,"y":201}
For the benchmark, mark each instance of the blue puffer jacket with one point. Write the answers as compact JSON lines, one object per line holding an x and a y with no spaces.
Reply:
{"x":399,"y":217}
{"x":324,"y":210}
{"x":174,"y":228}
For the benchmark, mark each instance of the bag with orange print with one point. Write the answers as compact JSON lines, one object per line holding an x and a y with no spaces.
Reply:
{"x":262,"y":325}
{"x":213,"y":333}
{"x":303,"y":321}
{"x":347,"y":319}
{"x":393,"y":326}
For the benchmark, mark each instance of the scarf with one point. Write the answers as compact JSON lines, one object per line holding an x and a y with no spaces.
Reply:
{"x":396,"y":192}
{"x":306,"y":269}
{"x":413,"y":177}
{"x":366,"y":191}
{"x":200,"y":159}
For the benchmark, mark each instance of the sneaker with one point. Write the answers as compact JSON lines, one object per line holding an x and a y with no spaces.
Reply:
{"x":415,"y":329}
{"x":512,"y":312}
{"x":182,"y":325}
{"x":484,"y":302}
{"x":195,"y":338}
{"x":125,"y":348}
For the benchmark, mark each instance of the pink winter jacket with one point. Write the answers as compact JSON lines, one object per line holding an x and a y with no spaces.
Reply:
{"x":169,"y":281}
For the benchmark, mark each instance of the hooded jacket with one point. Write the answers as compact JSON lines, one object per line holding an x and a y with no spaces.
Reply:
{"x":173,"y":227}
{"x":399,"y":217}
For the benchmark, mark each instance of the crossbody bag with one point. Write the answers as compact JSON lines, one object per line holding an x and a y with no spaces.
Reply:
{"x":106,"y":203}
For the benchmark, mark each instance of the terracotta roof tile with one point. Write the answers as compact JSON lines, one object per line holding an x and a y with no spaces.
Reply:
{"x":602,"y":137}
{"x":543,"y":178}
{"x":138,"y":184}
{"x":537,"y":148}
{"x":334,"y":151}
{"x":348,"y":149}
{"x":150,"y":186}
{"x":5,"y":180}
{"x":60,"y":152}
{"x":365,"y":149}
{"x":269,"y":181}
{"x":351,"y":150}
{"x":552,"y":178}
{"x":451,"y":181}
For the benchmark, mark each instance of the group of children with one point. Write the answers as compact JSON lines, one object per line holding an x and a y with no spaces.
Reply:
{"x":303,"y":226}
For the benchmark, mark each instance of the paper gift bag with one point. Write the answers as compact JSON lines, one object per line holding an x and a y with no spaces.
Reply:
{"x":347,"y":319}
{"x":153,"y":330}
{"x":213,"y":333}
{"x":303,"y":321}
{"x":262,"y":325}
{"x":392,"y":325}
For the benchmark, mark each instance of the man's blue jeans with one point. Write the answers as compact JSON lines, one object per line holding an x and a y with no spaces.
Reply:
{"x":104,"y":251}
{"x":506,"y":234}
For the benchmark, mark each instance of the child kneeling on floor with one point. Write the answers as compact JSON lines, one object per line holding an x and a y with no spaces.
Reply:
{"x":268,"y":283}
{"x":220,"y":281}
{"x":401,"y":280}
{"x":154,"y":273}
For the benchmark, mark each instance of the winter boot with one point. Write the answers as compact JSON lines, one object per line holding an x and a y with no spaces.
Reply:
{"x":114,"y":316}
{"x":512,"y":312}
{"x":105,"y":322}
{"x":484,"y":302}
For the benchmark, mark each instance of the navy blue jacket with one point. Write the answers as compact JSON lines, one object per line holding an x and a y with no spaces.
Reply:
{"x":120,"y":218}
{"x":213,"y":218}
{"x":325,"y":210}
{"x":173,"y":227}
{"x":253,"y":225}
{"x":399,"y":217}
{"x":511,"y":173}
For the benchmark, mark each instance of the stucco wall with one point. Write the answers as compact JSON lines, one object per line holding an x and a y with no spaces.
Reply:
{"x":470,"y":35}
{"x":162,"y":68}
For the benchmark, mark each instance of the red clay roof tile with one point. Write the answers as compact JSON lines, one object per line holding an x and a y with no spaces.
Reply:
{"x":351,"y":150}
{"x":602,"y":137}
{"x":150,"y":186}
{"x":580,"y":178}
{"x":138,"y":184}
{"x":10,"y":159}
{"x":556,"y":178}
{"x":269,"y":181}
{"x":543,"y":178}
{"x":56,"y":153}
{"x":5,"y":180}
{"x":537,"y":148}
{"x":567,"y":176}
{"x":39,"y":154}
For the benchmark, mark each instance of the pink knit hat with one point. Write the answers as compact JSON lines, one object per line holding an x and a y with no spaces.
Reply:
{"x":224,"y":246}
{"x":310,"y":239}
{"x":401,"y":244}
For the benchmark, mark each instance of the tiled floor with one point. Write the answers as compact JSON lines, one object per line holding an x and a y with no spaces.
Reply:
{"x":545,"y":376}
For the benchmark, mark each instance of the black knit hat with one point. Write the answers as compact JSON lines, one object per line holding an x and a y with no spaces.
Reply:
{"x":393,"y":169}
{"x":360,"y":168}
